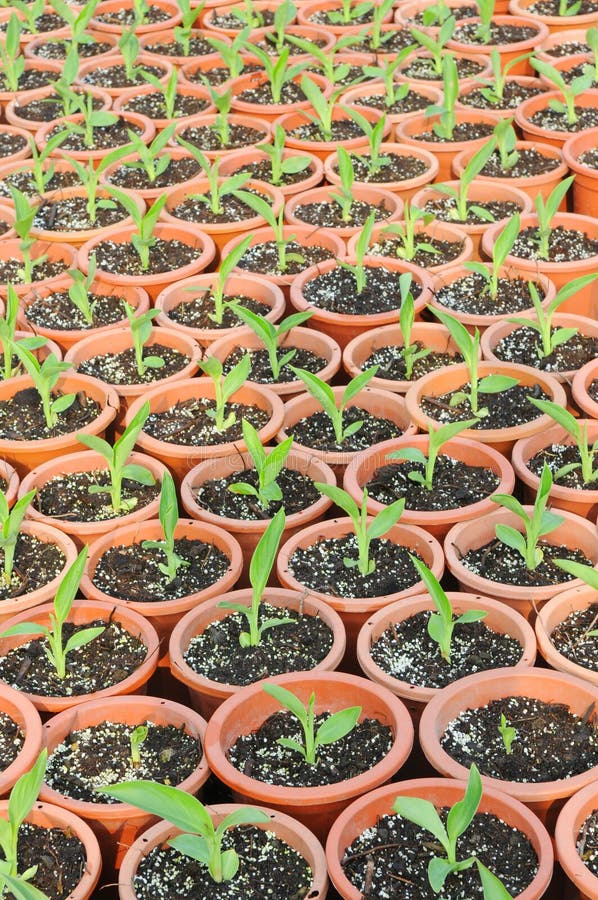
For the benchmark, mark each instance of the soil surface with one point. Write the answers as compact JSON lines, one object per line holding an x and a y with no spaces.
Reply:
{"x":135,"y":178}
{"x":261,"y":370}
{"x":198,"y":312}
{"x":35,"y":564}
{"x":264,"y":258}
{"x":564,"y":245}
{"x":529,"y":162}
{"x":469,"y":294}
{"x":499,"y":563}
{"x":336,"y":291}
{"x":206,"y":138}
{"x":12,"y":740}
{"x":121,"y":368}
{"x":316,"y":431}
{"x":445,"y":209}
{"x":67,"y":497}
{"x":558,"y":455}
{"x":153,"y":106}
{"x":443,"y":252}
{"x":391,"y":362}
{"x":576,"y":637}
{"x":513,"y":96}
{"x":298,"y":493}
{"x":455,"y":484}
{"x":523,"y":346}
{"x":188,"y":422}
{"x":59,"y":856}
{"x":57,"y":311}
{"x":22,"y":417}
{"x":329,"y":214}
{"x":509,"y":407}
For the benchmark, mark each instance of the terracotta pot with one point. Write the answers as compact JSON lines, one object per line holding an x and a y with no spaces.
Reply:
{"x":406,"y":188}
{"x":355,"y":96}
{"x":124,"y":102}
{"x":25,"y":455}
{"x":315,"y":807}
{"x":61,"y":32}
{"x":13,"y":108}
{"x":84,"y":612}
{"x":375,"y":196}
{"x":151,"y":194}
{"x":210,"y":24}
{"x":556,"y":24}
{"x":442,"y":231}
{"x":343,"y":327}
{"x":284,"y":827}
{"x":582,"y":303}
{"x":163,"y":615}
{"x":187,"y":234}
{"x":27,"y":718}
{"x":574,"y":532}
{"x":533,"y":185}
{"x":41,"y":136}
{"x":585,"y":186}
{"x":408,"y":11}
{"x":7,"y":215}
{"x":87,"y":461}
{"x":254,"y":286}
{"x":23,"y":152}
{"x":558,"y":38}
{"x":11,"y":479}
{"x":545,"y":799}
{"x":306,"y":12}
{"x":532,"y":105}
{"x":271,"y":111}
{"x":117,"y":825}
{"x":207,"y":695}
{"x":403,"y":71}
{"x":35,"y":49}
{"x":582,"y":380}
{"x":114,"y":6}
{"x":77,"y":238}
{"x":180,"y":458}
{"x":508,"y":52}
{"x":442,"y":792}
{"x":550,"y":617}
{"x":567,"y":835}
{"x":355,"y":611}
{"x":108,"y":62}
{"x":56,"y":253}
{"x":364,"y":465}
{"x":235,"y":161}
{"x":321,"y":149}
{"x":261,"y":127}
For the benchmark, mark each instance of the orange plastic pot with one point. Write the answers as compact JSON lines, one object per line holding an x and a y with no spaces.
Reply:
{"x":582,"y":381}
{"x":7,"y":216}
{"x":261,"y":127}
{"x":356,"y":96}
{"x":59,"y":253}
{"x":550,"y":617}
{"x":236,"y":160}
{"x":411,"y":130}
{"x":146,"y":128}
{"x":508,"y":52}
{"x":555,"y":24}
{"x":271,"y":111}
{"x":532,"y":105}
{"x":125,"y":102}
{"x":169,"y":9}
{"x":322,"y":148}
{"x":88,"y":67}
{"x":585,"y":186}
{"x":14,"y":107}
{"x":559,"y":37}
{"x":376,"y":196}
{"x":567,"y":834}
{"x":25,"y":715}
{"x":315,"y":807}
{"x":406,"y":188}
{"x":22,"y":137}
{"x":76,"y":238}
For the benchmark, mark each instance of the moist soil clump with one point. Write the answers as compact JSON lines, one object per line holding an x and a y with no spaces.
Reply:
{"x":552,"y":120}
{"x":398,"y":853}
{"x":398,"y":168}
{"x":506,"y":409}
{"x":259,"y":755}
{"x":522,"y":346}
{"x":406,"y":651}
{"x":336,"y":291}
{"x":105,"y":137}
{"x":551,"y":743}
{"x":57,"y":855}
{"x":11,"y":143}
{"x":153,"y":106}
{"x":455,"y":485}
{"x":564,"y":245}
{"x":321,"y":568}
{"x":298,"y":493}
{"x":197,"y":313}
{"x":107,"y":660}
{"x":121,"y":368}
{"x":574,"y":640}
{"x":70,"y":214}
{"x":189,"y":422}
{"x":329,"y":214}
{"x":164,"y":256}
{"x":136,"y":179}
{"x":444,"y":251}
{"x":463,"y":131}
{"x":445,"y":209}
{"x":261,"y":371}
{"x":22,"y":417}
{"x":497,"y":562}
{"x":206,"y":138}
{"x":100,"y":755}
{"x":298,"y":646}
{"x":263,"y":258}
{"x":269,"y":868}
{"x":556,"y":456}
{"x":317,"y":433}
{"x":67,"y":497}
{"x":514,"y":95}
{"x":57,"y":311}
{"x":470,"y":295}
{"x":529,"y":162}
{"x":391,"y":362}
{"x":12,"y":740}
{"x":36,"y":564}
{"x":261,"y":170}
{"x":132,"y":572}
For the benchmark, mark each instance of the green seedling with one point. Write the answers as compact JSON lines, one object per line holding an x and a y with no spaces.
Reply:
{"x":24,"y":216}
{"x":251,"y":18}
{"x":566,"y":9}
{"x":365,"y":532}
{"x":436,"y":13}
{"x":70,"y":94}
{"x":55,"y":648}
{"x":394,"y":91}
{"x":589,"y":576}
{"x":469,"y":348}
{"x":445,"y":127}
{"x":221,"y":278}
{"x":29,"y":13}
{"x":502,"y":247}
{"x":460,"y":192}
{"x":592,"y":42}
{"x":224,"y":388}
{"x":128,"y":44}
{"x":358,"y":268}
{"x":406,"y":234}
{"x":184,"y":31}
{"x":569,"y":90}
{"x":436,"y":45}
{"x":10,"y":524}
{"x":77,"y":19}
{"x":579,"y":433}
{"x":325,"y":396}
{"x":276,"y":223}
{"x":141,"y":11}
{"x":169,"y":517}
{"x":280,"y":163}
{"x":410,"y":352}
{"x":152,"y":159}
{"x":343,"y":193}
{"x":42,"y":165}
{"x":116,"y":460}
{"x":11,"y":60}
{"x":260,"y":567}
{"x":21,"y":801}
{"x":441,"y":624}
{"x":283,"y":16}
{"x":90,"y":176}
{"x":231,"y":53}
{"x":326,"y":59}
{"x":8,"y":327}
{"x":539,"y":523}
{"x":218,"y":188}
{"x":377,"y":38}
{"x":90,"y":120}
{"x":141,"y":330}
{"x":424,"y":814}
{"x":136,"y":739}
{"x":268,"y":467}
{"x":277,"y":70}
{"x":45,"y":375}
{"x":546,"y":210}
{"x":221,"y":126}
{"x":507,"y":733}
{"x":80,"y":288}
{"x":324,"y":107}
{"x":143,"y":238}
{"x":349,"y":12}
{"x":506,"y":140}
{"x":335,"y":727}
{"x":493,"y":90}
{"x":272,"y":336}
{"x":168,"y":90}
{"x":437,"y":438}
{"x":484,"y":26}
{"x":373,"y":159}
{"x":200,"y":840}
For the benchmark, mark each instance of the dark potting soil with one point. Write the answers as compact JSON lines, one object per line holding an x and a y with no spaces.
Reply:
{"x":568,"y":48}
{"x":36,"y":564}
{"x":12,"y":740}
{"x":508,"y":408}
{"x":552,"y":7}
{"x":529,"y":162}
{"x":497,"y":562}
{"x":164,"y":256}
{"x":467,"y":33}
{"x":188,"y":423}
{"x":194,"y":209}
{"x":411,"y":102}
{"x":48,"y":22}
{"x":229,"y":20}
{"x":261,"y":95}
{"x":136,"y":179}
{"x":107,"y":660}
{"x":30,"y":80}
{"x":469,"y":295}
{"x":295,"y":647}
{"x":218,"y":74}
{"x":321,"y":568}
{"x":422,"y":69}
{"x":22,"y":417}
{"x":340,"y":130}
{"x":316,"y":431}
{"x":11,"y":269}
{"x":576,"y":71}
{"x":153,"y":106}
{"x":406,"y":651}
{"x":590,"y":158}
{"x":551,"y":743}
{"x":105,"y":137}
{"x":24,"y":182}
{"x":263,"y":258}
{"x":556,"y":456}
{"x":100,"y":755}
{"x":445,"y":209}
{"x":593,"y":390}
{"x":127,"y":16}
{"x":463,"y":131}
{"x":330,"y":17}
{"x":328,"y":214}
{"x":523,"y":344}
{"x":261,"y":170}
{"x":116,"y":76}
{"x":351,"y":74}
{"x":336,"y":291}
{"x":587,"y":842}
{"x":459,"y":12}
{"x":514,"y":95}
{"x":391,"y":859}
{"x":445,"y":251}
{"x":298,"y":492}
{"x":397,"y":168}
{"x":206,"y":138}
{"x":260,"y":363}
{"x":391,"y":362}
{"x":132,"y":572}
{"x":196,"y":313}
{"x":392,"y":41}
{"x":564,"y":245}
{"x":269,"y":868}
{"x":550,"y":119}
{"x":455,"y":484}
{"x":11,"y":143}
{"x":574,"y":640}
{"x":198,"y":46}
{"x":121,"y":368}
{"x":46,"y":109}
{"x":59,"y":49}
{"x":259,"y":755}
{"x":67,"y":497}
{"x":58,"y":311}
{"x":57,"y":855}
{"x":70,"y":214}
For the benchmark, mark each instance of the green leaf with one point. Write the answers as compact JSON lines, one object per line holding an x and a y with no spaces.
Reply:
{"x":193,"y":846}
{"x":588,"y":574}
{"x":265,"y":554}
{"x":83,"y":637}
{"x":357,"y":384}
{"x":386,"y":519}
{"x":337,"y":725}
{"x":319,"y":389}
{"x":26,"y":791}
{"x":422,"y":813}
{"x":494,"y":384}
{"x":512,"y":538}
{"x":286,"y":699}
{"x":492,"y":886}
{"x":461,"y":815}
{"x":512,"y":504}
{"x":69,"y":585}
{"x":413,"y":454}
{"x":183,"y":810}
{"x":441,"y":601}
{"x":139,"y":474}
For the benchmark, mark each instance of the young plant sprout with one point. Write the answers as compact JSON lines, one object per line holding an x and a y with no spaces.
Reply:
{"x":184,"y":31}
{"x":90,"y":175}
{"x":358,"y":268}
{"x":217,"y":187}
{"x":373,"y":160}
{"x":436,"y":13}
{"x":283,"y":16}
{"x":77,"y":20}
{"x":394,"y":91}
{"x":546,"y":210}
{"x":343,"y":194}
{"x":331,"y":70}
{"x":30,"y":13}
{"x":151,"y":158}
{"x":11,"y":60}
{"x":281,"y":165}
{"x":42,"y":174}
{"x":259,"y":572}
{"x":502,"y":247}
{"x":437,"y":438}
{"x":128,"y":44}
{"x":220,"y":279}
{"x":410,"y":352}
{"x":221,"y":125}
{"x":277,"y":70}
{"x":168,"y":90}
{"x":250,"y":17}
{"x":579,"y":433}
{"x":445,"y":127}
{"x":335,"y":727}
{"x":405,"y":233}
{"x":539,"y":523}
{"x":441,"y":624}
{"x":142,"y":238}
{"x":231,"y":53}
{"x":136,"y":739}
{"x":200,"y":840}
{"x":24,"y":216}
{"x":224,"y":388}
{"x":10,"y":524}
{"x":364,"y":533}
{"x":55,"y":648}
{"x":550,"y":339}
{"x":276,"y":223}
{"x":424,"y":814}
{"x":116,"y":460}
{"x":592,"y":42}
{"x":507,"y":733}
{"x":45,"y":376}
{"x":8,"y":339}
{"x":324,"y":394}
{"x":169,"y":516}
{"x":588,"y":575}
{"x":459,"y":194}
{"x":80,"y":287}
{"x":91,"y":119}
{"x":377,"y":38}
{"x":469,"y":348}
{"x":141,"y":331}
{"x":493,"y":90}
{"x":436,"y":45}
{"x":271,"y":335}
{"x":484,"y":26}
{"x":323,"y":115}
{"x":267,"y":466}
{"x":569,"y":90}
{"x":348,"y":12}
